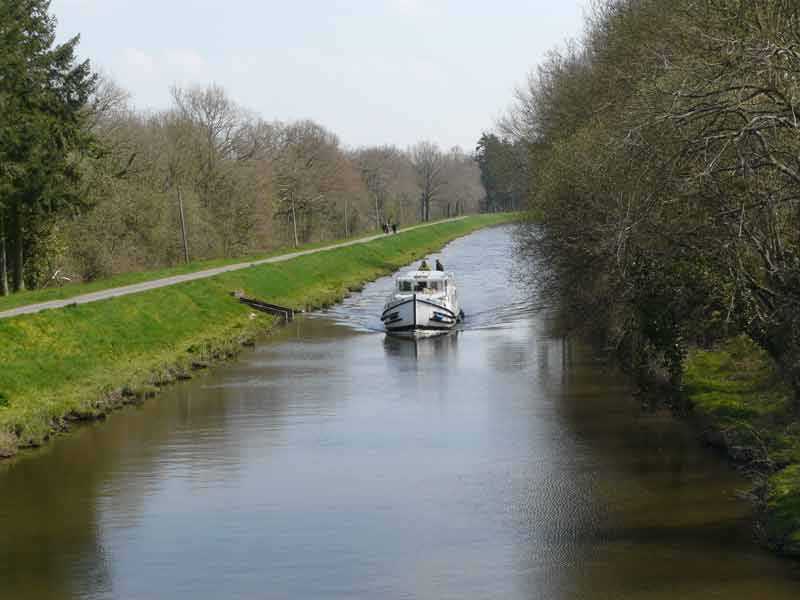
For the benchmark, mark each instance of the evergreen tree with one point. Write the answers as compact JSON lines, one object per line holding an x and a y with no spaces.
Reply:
{"x":503,"y":172}
{"x":43,"y":94}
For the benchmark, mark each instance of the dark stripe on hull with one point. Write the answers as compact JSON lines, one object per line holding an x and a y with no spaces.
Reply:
{"x":392,"y":308}
{"x":438,"y":307}
{"x":408,"y":328}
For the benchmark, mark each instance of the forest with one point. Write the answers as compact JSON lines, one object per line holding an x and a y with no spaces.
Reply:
{"x":92,"y":187}
{"x":663,"y":164}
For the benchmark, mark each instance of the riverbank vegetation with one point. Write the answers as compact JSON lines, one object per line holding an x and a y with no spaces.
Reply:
{"x":80,"y":362}
{"x":73,"y":289}
{"x":662,"y":157}
{"x":92,"y":188}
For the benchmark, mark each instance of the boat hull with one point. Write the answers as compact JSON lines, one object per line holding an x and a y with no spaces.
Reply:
{"x":419,"y":316}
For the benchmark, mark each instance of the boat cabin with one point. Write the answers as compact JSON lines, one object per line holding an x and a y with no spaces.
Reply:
{"x":423,"y":282}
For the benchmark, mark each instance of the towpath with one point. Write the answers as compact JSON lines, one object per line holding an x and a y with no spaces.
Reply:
{"x":176,"y":279}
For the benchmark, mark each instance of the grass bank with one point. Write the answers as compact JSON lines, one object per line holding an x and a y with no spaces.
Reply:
{"x":80,"y":362}
{"x":71,"y":290}
{"x":743,"y":406}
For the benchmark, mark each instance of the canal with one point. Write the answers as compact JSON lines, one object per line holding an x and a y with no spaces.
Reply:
{"x":333,"y":462}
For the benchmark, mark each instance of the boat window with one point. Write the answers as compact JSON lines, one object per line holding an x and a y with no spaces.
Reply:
{"x":427,"y":286}
{"x":404,"y":285}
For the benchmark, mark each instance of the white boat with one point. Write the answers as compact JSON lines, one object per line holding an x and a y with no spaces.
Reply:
{"x":422,"y":303}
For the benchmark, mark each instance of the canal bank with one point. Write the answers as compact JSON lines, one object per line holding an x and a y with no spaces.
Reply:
{"x":80,"y":362}
{"x":744,"y":406}
{"x":330,"y":461}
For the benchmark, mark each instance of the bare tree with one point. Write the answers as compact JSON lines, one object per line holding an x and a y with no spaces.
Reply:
{"x":462,"y":190}
{"x":429,"y":166}
{"x":309,"y":169}
{"x":209,"y":178}
{"x":380,"y":167}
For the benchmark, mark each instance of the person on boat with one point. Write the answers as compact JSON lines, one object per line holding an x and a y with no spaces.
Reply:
{"x":439,"y":265}
{"x":424,"y":266}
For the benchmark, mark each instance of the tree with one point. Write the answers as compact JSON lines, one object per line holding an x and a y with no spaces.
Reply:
{"x":503,"y":171}
{"x":379,"y":168}
{"x":43,"y":94}
{"x":666,"y":163}
{"x":429,"y":166}
{"x":462,"y":191}
{"x":309,"y":175}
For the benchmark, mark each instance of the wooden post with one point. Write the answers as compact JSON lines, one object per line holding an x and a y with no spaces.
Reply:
{"x":183,"y":227}
{"x":4,"y":289}
{"x":294,"y":224}
{"x":346,"y":220}
{"x":19,"y":252}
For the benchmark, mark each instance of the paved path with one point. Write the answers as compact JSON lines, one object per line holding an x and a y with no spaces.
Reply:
{"x":167,"y":281}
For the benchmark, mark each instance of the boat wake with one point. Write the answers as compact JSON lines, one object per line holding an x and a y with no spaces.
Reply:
{"x":490,"y":291}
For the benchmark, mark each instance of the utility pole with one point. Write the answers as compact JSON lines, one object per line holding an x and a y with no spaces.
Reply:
{"x":4,"y":289}
{"x":346,"y":220}
{"x":183,"y":226}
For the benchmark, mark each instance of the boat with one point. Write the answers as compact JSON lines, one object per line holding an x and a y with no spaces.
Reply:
{"x":422,"y":303}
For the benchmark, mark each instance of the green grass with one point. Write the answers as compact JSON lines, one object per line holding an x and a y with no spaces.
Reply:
{"x":735,"y":381}
{"x":81,"y":361}
{"x":71,"y":290}
{"x":782,"y":516}
{"x":741,"y":401}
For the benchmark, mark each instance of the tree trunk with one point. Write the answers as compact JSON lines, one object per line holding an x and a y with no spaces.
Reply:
{"x":4,"y":290}
{"x":19,"y":255}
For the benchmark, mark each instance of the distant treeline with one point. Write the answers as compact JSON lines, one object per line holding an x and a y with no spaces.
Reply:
{"x":663,"y":155}
{"x":90,"y":187}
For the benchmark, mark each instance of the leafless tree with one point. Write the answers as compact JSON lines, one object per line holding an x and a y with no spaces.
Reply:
{"x":429,"y":166}
{"x":381,"y":168}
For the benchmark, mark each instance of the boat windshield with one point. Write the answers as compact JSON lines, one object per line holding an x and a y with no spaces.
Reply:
{"x":405,"y":285}
{"x":427,"y":287}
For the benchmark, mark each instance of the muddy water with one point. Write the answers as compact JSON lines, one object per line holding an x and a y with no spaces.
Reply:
{"x":333,"y":462}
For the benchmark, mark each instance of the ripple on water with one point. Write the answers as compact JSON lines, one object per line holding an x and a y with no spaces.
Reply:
{"x":489,"y":288}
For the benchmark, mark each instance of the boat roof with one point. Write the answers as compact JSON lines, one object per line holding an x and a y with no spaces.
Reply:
{"x":430,"y":275}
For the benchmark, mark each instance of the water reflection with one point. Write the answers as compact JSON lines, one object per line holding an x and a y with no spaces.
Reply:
{"x":436,"y":348}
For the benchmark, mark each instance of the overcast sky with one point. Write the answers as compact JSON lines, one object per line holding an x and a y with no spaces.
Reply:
{"x":372,"y":71}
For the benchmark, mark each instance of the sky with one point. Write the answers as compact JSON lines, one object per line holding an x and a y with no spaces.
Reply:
{"x":372,"y":71}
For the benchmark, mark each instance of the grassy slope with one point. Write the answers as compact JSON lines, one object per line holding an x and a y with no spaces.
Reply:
{"x":77,"y":289}
{"x":63,"y":364}
{"x":743,"y":405}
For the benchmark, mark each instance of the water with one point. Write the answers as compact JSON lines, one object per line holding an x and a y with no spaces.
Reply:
{"x":333,"y":462}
